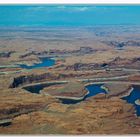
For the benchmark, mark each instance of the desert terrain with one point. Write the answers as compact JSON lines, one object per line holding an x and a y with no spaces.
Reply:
{"x":70,"y":80}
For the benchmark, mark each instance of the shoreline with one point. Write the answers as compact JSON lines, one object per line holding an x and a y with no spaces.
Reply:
{"x":69,"y":98}
{"x":76,"y":98}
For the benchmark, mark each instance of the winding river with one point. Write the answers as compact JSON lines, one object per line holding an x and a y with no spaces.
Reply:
{"x":38,"y":87}
{"x":93,"y":89}
{"x":134,"y":95}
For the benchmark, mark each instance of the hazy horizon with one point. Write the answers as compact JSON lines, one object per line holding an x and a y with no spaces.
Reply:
{"x":68,"y":15}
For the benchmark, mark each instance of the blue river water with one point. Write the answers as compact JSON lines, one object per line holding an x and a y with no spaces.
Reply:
{"x":134,"y":95}
{"x":96,"y":89}
{"x":37,"y":88}
{"x":45,"y":62}
{"x":93,"y":90}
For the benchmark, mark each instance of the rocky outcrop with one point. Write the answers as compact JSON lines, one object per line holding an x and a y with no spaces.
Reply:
{"x":117,"y":90}
{"x":71,"y":90}
{"x":135,"y":59}
{"x":17,"y":81}
{"x":81,"y":51}
{"x":118,"y":44}
{"x":5,"y":122}
{"x":27,"y":54}
{"x":6,"y":54}
{"x":116,"y":62}
{"x":93,"y":116}
{"x":83,"y":66}
{"x":27,"y":79}
{"x":18,"y":102}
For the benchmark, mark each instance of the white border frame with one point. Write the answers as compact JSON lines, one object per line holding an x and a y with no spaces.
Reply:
{"x":109,"y":2}
{"x":70,"y":2}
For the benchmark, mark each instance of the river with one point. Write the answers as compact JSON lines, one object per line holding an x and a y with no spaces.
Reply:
{"x":45,"y":62}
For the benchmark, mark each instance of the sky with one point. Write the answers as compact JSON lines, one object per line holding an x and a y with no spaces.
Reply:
{"x":68,"y":15}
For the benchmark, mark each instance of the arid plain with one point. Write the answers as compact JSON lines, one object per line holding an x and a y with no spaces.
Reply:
{"x":57,"y":98}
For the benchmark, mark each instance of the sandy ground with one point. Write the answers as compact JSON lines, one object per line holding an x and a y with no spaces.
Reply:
{"x":41,"y":114}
